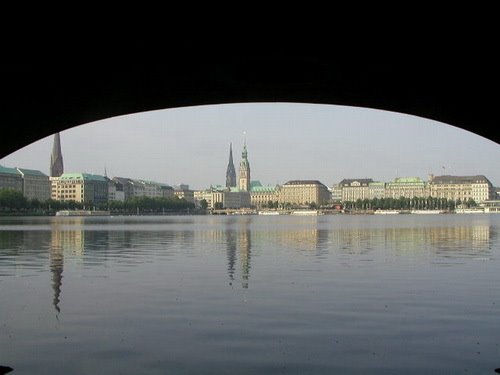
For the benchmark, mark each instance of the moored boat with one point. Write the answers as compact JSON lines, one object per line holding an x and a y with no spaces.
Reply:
{"x":82,"y":213}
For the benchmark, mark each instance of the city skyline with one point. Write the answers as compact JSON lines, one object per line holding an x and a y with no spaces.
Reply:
{"x":286,"y":141}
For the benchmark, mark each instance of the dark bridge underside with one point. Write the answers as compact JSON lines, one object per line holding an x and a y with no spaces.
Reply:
{"x":40,"y":100}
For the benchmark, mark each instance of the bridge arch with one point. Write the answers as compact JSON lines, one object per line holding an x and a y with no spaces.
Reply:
{"x":38,"y":100}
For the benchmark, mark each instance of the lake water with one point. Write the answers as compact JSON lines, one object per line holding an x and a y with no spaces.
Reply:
{"x":395,"y":294}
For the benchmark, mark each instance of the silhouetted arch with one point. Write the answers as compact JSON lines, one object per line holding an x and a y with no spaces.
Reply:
{"x":40,"y":100}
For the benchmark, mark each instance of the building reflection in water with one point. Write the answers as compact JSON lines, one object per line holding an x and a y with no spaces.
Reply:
{"x":237,"y":236}
{"x":64,"y":240}
{"x":452,"y":241}
{"x":244,"y":243}
{"x":68,"y":237}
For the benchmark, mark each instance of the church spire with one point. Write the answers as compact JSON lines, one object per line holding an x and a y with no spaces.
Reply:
{"x":230,"y":172}
{"x":244,"y":182}
{"x":56,"y":159}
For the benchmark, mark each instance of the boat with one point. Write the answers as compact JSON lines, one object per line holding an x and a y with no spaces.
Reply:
{"x":469,"y":210}
{"x":82,"y":213}
{"x":269,"y":213}
{"x":387,"y":212}
{"x":307,"y":213}
{"x":426,"y":212}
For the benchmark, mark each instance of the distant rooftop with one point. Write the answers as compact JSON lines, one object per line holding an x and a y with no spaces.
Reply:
{"x":263,"y":189}
{"x":304,"y":182}
{"x":447,"y":179}
{"x":362,"y":181}
{"x":6,"y":170}
{"x":32,"y":172}
{"x":82,"y":176}
{"x":407,"y":180}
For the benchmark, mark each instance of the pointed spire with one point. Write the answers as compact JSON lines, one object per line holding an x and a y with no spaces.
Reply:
{"x":230,"y":152}
{"x":244,"y":153}
{"x":56,"y":159}
{"x":244,"y":177}
{"x":230,"y":171}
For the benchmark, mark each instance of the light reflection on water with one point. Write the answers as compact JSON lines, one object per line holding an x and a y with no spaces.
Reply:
{"x":215,"y":294}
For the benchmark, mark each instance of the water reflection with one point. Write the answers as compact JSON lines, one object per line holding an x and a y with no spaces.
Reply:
{"x":451,"y":241}
{"x":131,"y":244}
{"x":64,"y":240}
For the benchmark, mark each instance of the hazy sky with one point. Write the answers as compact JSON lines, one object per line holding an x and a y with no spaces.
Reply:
{"x":285,"y":141}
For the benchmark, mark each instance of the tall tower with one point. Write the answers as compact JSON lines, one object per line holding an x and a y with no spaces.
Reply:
{"x":230,"y":172}
{"x":56,"y":159}
{"x":244,"y":170}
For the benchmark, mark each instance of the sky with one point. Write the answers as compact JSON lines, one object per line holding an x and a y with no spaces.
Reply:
{"x":285,"y":141}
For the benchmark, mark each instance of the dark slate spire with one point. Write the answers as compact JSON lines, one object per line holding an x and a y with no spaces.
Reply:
{"x":56,"y":159}
{"x":230,"y":172}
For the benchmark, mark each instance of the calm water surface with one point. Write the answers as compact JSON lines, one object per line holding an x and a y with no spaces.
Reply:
{"x":405,"y":294}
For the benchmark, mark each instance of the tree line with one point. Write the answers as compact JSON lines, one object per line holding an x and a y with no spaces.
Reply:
{"x":402,"y":203}
{"x":13,"y":201}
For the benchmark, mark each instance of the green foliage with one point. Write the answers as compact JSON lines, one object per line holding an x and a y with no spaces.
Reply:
{"x":150,"y":205}
{"x":403,"y":203}
{"x":12,"y":199}
{"x":204,"y":204}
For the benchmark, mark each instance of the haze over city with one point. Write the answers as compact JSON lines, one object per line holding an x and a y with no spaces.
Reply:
{"x":285,"y":141}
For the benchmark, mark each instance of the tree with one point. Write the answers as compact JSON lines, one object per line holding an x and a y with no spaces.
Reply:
{"x":218,"y":206}
{"x":204,"y":204}
{"x":12,"y":199}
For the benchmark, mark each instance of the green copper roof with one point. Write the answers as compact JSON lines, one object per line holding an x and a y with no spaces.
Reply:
{"x":82,"y":176}
{"x":32,"y":172}
{"x":263,"y":189}
{"x":406,"y":180}
{"x":6,"y":170}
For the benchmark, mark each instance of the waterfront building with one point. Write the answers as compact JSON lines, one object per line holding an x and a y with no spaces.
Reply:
{"x":491,"y":206}
{"x":80,"y":187}
{"x":376,"y":190}
{"x":11,"y":178}
{"x":336,"y":193}
{"x":36,"y":185}
{"x":144,"y":188}
{"x":244,"y":181}
{"x":354,"y":189}
{"x":213,"y":195}
{"x":152,"y":189}
{"x":227,"y":198}
{"x":56,"y":159}
{"x":407,"y":187}
{"x":260,"y":196}
{"x":183,"y":192}
{"x":303,"y":192}
{"x":463,"y":188}
{"x":230,"y":171}
{"x":127,"y":186}
{"x":235,"y":198}
{"x":115,"y":191}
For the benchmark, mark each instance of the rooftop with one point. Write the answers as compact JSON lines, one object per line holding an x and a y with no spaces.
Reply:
{"x":31,"y":172}
{"x":6,"y":170}
{"x":303,"y":182}
{"x":263,"y":189}
{"x":407,"y":180}
{"x":447,"y":179}
{"x":362,"y":181}
{"x":82,"y":176}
